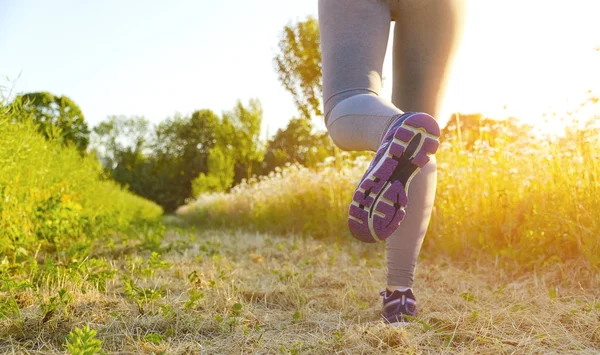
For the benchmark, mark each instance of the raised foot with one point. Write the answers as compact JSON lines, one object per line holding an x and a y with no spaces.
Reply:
{"x":379,"y":201}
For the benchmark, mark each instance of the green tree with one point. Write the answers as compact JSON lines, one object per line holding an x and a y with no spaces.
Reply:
{"x":237,"y":152}
{"x":298,"y":144}
{"x":188,"y":138}
{"x":298,"y":65}
{"x":240,"y":134}
{"x":220,"y":174}
{"x":180,"y":153}
{"x":123,"y":145}
{"x":119,"y":135}
{"x":158,"y":163}
{"x":57,"y":117}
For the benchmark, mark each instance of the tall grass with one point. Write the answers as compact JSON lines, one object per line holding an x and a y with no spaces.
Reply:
{"x":54,"y":203}
{"x":290,"y":200}
{"x":525,"y":199}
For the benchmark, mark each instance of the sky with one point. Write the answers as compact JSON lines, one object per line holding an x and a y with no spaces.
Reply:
{"x":153,"y":58}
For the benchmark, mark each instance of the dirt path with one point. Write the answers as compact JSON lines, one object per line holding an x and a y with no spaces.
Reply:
{"x":222,"y":292}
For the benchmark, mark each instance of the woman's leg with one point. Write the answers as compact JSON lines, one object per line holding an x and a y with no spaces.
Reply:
{"x":354,"y":36}
{"x":424,"y":38}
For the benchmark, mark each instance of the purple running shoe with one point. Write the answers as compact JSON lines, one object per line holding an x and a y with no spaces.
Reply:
{"x":397,"y":306}
{"x":379,"y":201}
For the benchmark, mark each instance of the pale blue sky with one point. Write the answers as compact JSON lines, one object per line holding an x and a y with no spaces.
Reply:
{"x":149,"y":57}
{"x":155,"y":58}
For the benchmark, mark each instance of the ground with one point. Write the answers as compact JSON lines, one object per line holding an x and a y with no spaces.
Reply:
{"x":238,"y":292}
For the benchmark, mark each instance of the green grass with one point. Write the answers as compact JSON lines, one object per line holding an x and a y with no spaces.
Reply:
{"x":56,"y":211}
{"x":52,"y":198}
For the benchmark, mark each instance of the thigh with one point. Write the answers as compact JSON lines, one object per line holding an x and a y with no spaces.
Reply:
{"x":424,"y":37}
{"x":354,"y":36}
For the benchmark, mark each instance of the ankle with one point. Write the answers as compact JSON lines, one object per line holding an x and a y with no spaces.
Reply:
{"x":393,"y":288}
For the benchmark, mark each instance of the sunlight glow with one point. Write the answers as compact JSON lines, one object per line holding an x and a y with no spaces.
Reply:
{"x":525,"y":59}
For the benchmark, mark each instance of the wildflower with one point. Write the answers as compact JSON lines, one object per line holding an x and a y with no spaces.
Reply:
{"x":329,"y":160}
{"x":445,"y":146}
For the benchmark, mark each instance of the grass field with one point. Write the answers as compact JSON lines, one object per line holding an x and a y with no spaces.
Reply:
{"x":234,"y":292}
{"x":511,"y":262}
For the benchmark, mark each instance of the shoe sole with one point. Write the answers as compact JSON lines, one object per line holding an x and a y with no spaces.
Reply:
{"x":379,"y":202}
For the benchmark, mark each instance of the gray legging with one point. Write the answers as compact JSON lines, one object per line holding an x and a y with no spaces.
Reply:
{"x":354,"y":36}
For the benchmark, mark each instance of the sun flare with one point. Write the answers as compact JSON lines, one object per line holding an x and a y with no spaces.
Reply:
{"x":537,"y":61}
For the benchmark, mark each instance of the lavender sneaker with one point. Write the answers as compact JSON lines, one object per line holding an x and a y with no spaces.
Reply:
{"x":397,"y":306}
{"x":379,"y":201}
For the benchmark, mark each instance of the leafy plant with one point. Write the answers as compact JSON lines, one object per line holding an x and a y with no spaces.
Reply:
{"x":59,"y":303}
{"x":97,"y":272}
{"x":140,"y":295}
{"x":83,"y":342}
{"x":10,"y":288}
{"x":194,"y":298}
{"x":153,"y":338}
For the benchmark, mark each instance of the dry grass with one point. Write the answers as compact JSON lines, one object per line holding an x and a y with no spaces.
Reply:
{"x":266,"y":294}
{"x":524,"y":200}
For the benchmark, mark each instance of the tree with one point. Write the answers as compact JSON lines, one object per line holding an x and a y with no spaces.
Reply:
{"x":183,"y":155}
{"x":158,"y":163}
{"x":240,"y":137}
{"x":237,"y":153}
{"x":122,"y":145}
{"x":57,"y":117}
{"x":220,"y":174}
{"x":298,"y":65}
{"x":189,"y":138}
{"x":298,"y":144}
{"x":119,"y":135}
{"x":180,"y":153}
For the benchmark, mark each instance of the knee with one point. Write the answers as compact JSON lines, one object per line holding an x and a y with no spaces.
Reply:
{"x":341,"y":117}
{"x":358,"y":121}
{"x":336,"y":133}
{"x":333,"y":101}
{"x":361,"y":104}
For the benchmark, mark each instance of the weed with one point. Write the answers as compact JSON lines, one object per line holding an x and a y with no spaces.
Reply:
{"x":83,"y":342}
